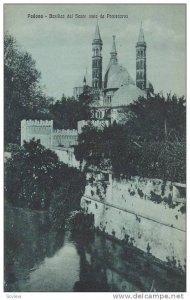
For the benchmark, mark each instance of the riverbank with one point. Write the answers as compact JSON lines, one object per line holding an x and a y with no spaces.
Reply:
{"x":38,"y":257}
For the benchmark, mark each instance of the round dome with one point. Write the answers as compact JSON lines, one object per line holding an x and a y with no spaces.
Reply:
{"x":112,"y":69}
{"x":126,"y":95}
{"x":117,"y":76}
{"x":119,"y":79}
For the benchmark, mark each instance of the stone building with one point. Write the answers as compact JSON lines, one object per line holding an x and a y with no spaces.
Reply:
{"x":113,"y":93}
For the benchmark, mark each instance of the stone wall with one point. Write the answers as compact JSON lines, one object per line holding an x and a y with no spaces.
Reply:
{"x":64,"y":138}
{"x":59,"y":141}
{"x":41,"y":130}
{"x":66,"y":155}
{"x":49,"y":137}
{"x":100,"y":124}
{"x":146,"y":212}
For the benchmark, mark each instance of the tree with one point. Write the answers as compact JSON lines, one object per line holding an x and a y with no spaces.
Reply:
{"x":157,"y":118}
{"x":150,"y":144}
{"x":23,"y":97}
{"x":35,"y":178}
{"x":86,"y":100}
{"x":68,"y":111}
{"x":111,"y":148}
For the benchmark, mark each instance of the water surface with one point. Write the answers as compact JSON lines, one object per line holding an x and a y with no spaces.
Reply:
{"x":40,"y":258}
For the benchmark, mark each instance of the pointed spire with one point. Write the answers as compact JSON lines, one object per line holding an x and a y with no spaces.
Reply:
{"x":141,"y":39}
{"x":113,"y":45}
{"x":84,"y":80}
{"x":97,"y":32}
{"x":113,"y":59}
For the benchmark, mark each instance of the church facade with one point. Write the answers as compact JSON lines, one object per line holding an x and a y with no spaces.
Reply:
{"x":116,"y":90}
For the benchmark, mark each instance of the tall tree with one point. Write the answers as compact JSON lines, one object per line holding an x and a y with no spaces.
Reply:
{"x":23,"y":97}
{"x":158,"y":118}
{"x":68,"y":111}
{"x":35,"y":178}
{"x":150,"y":144}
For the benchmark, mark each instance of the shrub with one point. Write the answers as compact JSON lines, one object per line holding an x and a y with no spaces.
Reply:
{"x":35,"y":178}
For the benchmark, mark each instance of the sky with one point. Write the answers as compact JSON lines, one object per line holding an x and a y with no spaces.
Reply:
{"x":62,"y":47}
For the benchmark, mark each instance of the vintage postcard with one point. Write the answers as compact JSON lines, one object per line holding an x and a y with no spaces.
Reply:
{"x":95,"y":148}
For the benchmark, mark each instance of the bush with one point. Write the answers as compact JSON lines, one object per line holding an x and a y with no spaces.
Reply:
{"x":117,"y":149}
{"x":12,"y":148}
{"x":36,"y":179}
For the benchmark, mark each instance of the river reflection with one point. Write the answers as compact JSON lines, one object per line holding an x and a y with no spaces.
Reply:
{"x":40,"y":258}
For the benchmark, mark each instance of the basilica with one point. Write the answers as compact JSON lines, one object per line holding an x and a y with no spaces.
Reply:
{"x":116,"y":90}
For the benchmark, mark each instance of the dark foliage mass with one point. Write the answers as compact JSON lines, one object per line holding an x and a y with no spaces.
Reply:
{"x":35,"y":178}
{"x":23,"y":96}
{"x":158,"y":118}
{"x":150,"y":144}
{"x":66,"y":112}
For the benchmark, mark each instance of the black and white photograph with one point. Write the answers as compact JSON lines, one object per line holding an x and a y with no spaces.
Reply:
{"x":95,"y":148}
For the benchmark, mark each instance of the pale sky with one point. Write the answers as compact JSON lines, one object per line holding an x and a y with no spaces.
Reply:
{"x":62,"y":48}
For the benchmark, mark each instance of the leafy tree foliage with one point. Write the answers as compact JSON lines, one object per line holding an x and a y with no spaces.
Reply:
{"x":67,"y":112}
{"x":23,"y":96}
{"x":158,"y":118}
{"x":150,"y":144}
{"x":35,"y":178}
{"x":86,"y":100}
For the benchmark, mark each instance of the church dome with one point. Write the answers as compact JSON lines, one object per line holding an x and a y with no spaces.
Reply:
{"x":119,"y":78}
{"x":126,"y":95}
{"x":116,"y":75}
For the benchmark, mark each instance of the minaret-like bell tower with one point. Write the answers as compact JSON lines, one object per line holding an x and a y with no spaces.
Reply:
{"x":113,"y":59}
{"x":141,"y":61}
{"x":97,"y":60}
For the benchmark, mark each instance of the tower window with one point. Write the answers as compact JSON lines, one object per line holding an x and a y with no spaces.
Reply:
{"x":97,"y":52}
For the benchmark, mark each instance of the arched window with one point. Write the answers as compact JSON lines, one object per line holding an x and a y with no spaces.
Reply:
{"x":97,"y":51}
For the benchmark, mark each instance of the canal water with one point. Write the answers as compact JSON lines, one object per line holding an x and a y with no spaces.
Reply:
{"x":39,"y":258}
